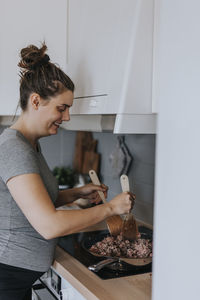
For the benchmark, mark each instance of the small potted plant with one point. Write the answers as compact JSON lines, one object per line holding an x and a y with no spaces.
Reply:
{"x":65,"y":176}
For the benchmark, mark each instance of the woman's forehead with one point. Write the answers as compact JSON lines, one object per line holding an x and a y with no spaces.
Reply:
{"x":64,"y":98}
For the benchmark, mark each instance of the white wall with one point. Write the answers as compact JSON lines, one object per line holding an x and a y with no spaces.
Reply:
{"x":177,"y":204}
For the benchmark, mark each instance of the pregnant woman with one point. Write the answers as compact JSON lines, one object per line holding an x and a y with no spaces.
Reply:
{"x":29,"y":195}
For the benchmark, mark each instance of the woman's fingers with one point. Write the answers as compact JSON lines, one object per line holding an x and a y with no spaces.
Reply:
{"x":104,"y":189}
{"x":94,"y":196}
{"x":132,"y":199}
{"x":97,"y":199}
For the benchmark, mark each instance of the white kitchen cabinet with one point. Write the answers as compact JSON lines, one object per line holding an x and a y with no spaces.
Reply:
{"x":90,"y":45}
{"x":109,"y":56}
{"x":25,"y":22}
{"x":136,"y":113}
{"x":98,"y":37}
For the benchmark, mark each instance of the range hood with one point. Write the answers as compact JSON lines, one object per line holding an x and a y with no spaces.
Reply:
{"x":116,"y":123}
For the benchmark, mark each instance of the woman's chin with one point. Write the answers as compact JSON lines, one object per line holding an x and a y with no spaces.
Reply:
{"x":53,"y":131}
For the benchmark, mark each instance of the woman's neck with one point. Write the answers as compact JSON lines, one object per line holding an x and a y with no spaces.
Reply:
{"x":25,"y":128}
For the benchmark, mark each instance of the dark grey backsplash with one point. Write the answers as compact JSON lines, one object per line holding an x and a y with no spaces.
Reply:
{"x":59,"y":151}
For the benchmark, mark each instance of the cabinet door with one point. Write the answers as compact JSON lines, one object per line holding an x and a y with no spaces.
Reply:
{"x":135,"y":112}
{"x":136,"y":95}
{"x":90,"y":45}
{"x":98,"y":36}
{"x":25,"y":22}
{"x":109,"y":55}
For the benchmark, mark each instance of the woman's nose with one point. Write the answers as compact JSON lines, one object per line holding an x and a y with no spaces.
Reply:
{"x":66,"y":115}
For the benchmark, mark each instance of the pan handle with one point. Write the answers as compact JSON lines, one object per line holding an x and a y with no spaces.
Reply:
{"x":102,"y":264}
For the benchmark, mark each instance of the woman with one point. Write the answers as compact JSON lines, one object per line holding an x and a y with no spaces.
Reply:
{"x":29,"y":222}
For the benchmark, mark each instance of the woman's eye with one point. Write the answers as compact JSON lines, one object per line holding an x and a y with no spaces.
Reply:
{"x":61,"y":109}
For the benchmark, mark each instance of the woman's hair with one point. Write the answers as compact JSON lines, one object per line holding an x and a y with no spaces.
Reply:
{"x":39,"y":75}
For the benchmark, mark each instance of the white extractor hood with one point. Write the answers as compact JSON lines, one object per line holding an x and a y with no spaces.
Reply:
{"x":120,"y":123}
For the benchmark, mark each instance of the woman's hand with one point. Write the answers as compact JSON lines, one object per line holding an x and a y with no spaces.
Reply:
{"x":122,"y":203}
{"x":90,"y":192}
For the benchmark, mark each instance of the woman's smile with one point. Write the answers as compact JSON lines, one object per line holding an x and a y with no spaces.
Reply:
{"x":57,"y":124}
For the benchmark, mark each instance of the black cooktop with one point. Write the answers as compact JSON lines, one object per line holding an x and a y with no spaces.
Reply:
{"x":73,"y":245}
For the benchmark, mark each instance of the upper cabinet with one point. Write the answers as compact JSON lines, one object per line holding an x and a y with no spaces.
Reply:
{"x":109,"y":55}
{"x":25,"y":22}
{"x":105,"y":46}
{"x":90,"y":45}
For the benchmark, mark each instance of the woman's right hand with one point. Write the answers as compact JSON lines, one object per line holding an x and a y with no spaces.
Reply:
{"x":122,"y":203}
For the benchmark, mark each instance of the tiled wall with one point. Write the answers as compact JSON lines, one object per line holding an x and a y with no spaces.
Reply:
{"x":59,"y":151}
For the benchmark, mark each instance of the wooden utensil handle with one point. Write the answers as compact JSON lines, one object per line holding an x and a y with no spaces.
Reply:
{"x":125,"y":183}
{"x":95,"y":180}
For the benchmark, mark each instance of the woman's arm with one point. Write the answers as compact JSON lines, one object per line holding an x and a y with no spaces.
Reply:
{"x":88,"y":191}
{"x":66,"y":197}
{"x":32,"y":197}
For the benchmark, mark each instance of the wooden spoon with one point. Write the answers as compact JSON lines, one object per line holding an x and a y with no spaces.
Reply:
{"x":114,"y":223}
{"x":129,"y":227}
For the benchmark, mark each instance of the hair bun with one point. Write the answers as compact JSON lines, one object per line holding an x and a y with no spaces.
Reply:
{"x":33,"y":57}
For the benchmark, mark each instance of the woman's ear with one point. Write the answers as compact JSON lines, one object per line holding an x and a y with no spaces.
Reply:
{"x":35,"y":100}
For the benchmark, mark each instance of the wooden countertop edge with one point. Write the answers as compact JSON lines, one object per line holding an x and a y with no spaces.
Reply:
{"x":63,"y":264}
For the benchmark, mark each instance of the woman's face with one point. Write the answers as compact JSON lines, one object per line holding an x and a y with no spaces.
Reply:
{"x":53,"y":112}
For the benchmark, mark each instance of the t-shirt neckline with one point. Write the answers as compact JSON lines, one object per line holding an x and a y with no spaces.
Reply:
{"x":38,"y":150}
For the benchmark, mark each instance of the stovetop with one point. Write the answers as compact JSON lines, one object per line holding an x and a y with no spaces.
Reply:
{"x":73,"y":245}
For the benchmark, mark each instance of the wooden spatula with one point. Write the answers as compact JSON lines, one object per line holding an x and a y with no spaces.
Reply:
{"x":114,"y":223}
{"x":129,"y":227}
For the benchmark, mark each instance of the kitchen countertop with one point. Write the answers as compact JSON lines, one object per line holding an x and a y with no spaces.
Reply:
{"x":92,"y":287}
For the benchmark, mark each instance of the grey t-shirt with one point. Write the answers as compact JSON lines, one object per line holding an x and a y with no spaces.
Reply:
{"x":20,"y":244}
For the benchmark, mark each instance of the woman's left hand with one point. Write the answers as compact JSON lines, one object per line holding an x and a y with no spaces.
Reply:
{"x":90,"y":192}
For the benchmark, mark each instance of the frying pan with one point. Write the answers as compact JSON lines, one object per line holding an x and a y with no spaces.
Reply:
{"x":91,"y":240}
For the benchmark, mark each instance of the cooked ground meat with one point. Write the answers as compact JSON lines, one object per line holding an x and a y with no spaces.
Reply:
{"x":118,"y":246}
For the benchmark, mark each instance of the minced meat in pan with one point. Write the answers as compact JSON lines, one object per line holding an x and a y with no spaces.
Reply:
{"x":120,"y":247}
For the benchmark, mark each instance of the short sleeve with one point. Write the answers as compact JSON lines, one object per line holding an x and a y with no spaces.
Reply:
{"x":17,"y":158}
